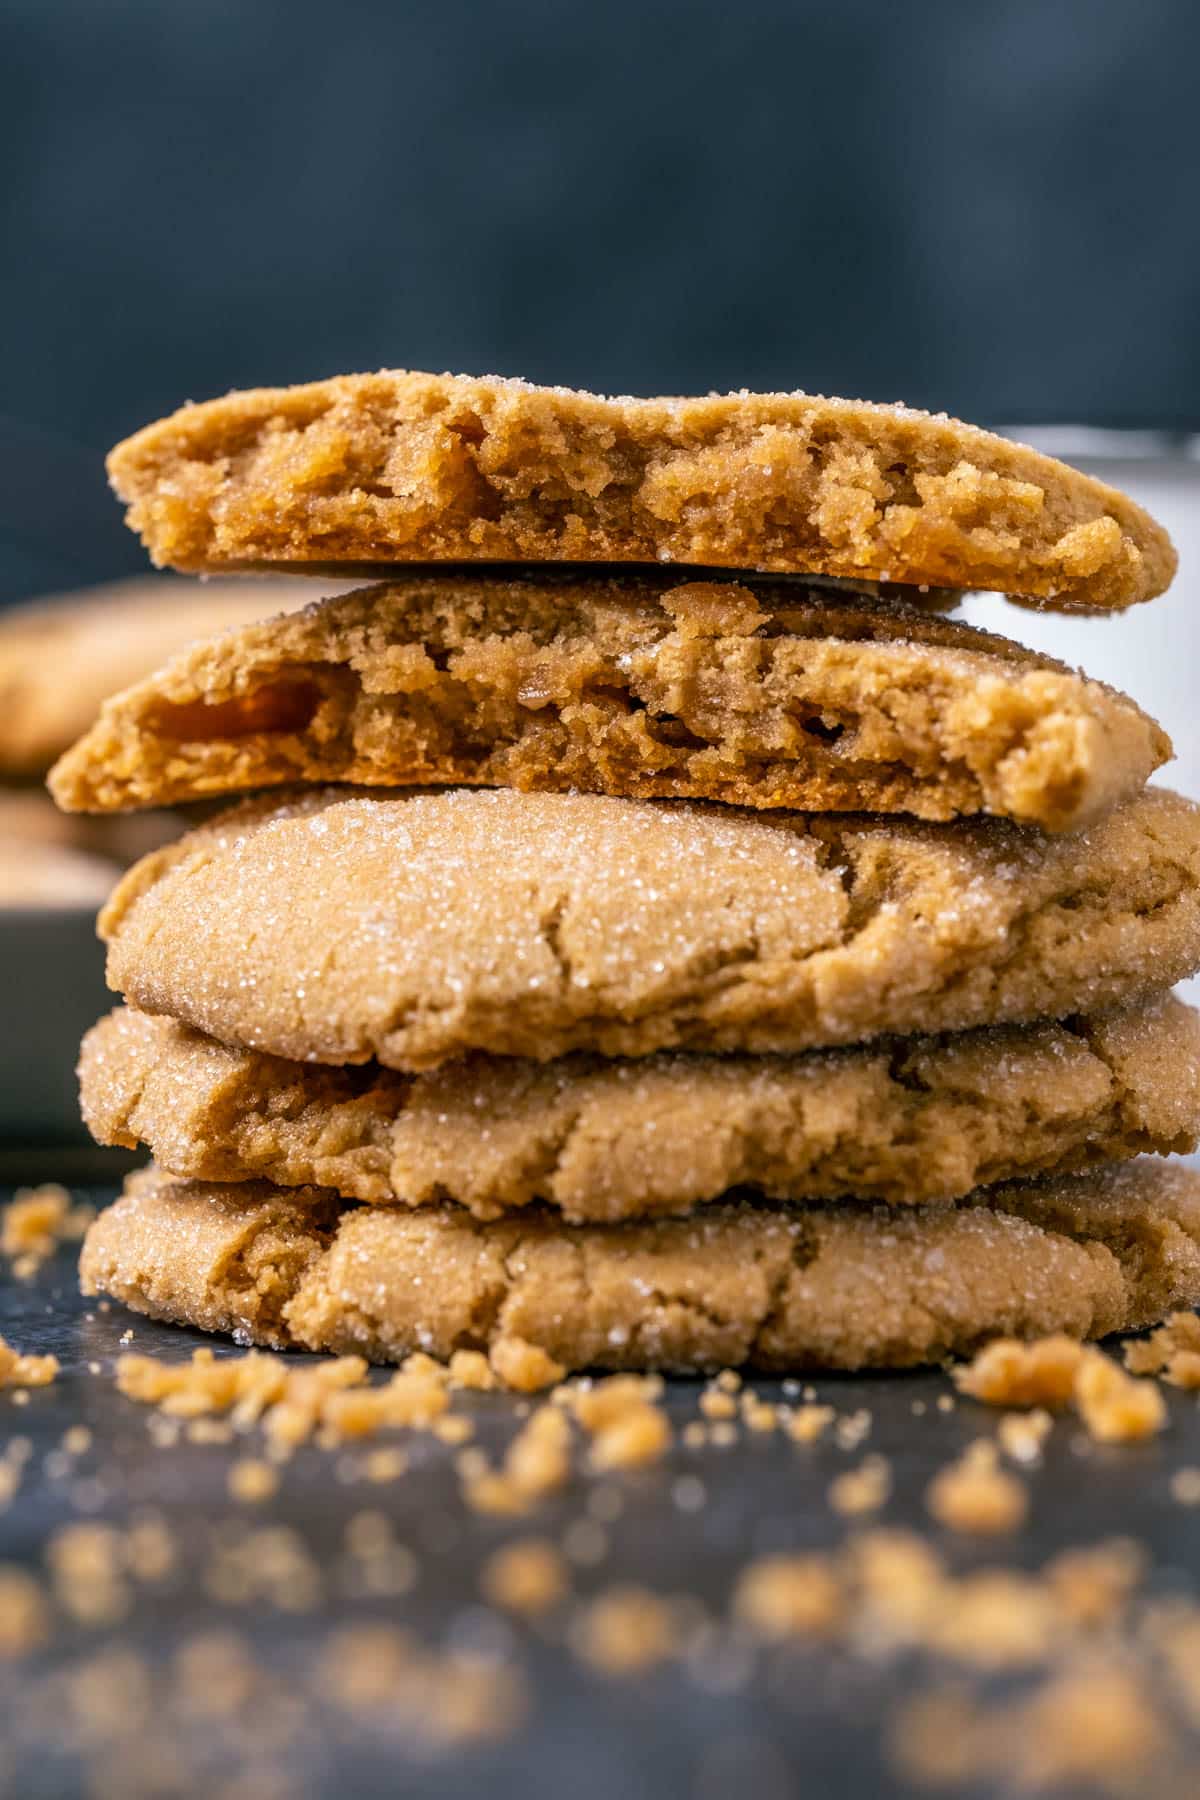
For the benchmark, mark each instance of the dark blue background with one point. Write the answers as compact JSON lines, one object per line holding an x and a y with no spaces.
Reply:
{"x":989,"y":208}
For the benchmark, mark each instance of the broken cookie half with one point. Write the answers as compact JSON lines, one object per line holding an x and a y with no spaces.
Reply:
{"x":767,"y":695}
{"x":407,"y":467}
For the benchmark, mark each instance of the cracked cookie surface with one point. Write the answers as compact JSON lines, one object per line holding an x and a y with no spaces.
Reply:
{"x":764,"y":695}
{"x":918,"y":1121}
{"x":772,"y":1288}
{"x":400,"y":467}
{"x":333,"y":926}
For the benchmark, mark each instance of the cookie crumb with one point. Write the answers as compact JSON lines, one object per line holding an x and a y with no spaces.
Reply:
{"x":1058,"y":1371}
{"x":524,"y":1366}
{"x":1021,"y":1435}
{"x":87,"y":1573}
{"x":36,"y":1221}
{"x":252,"y":1481}
{"x":446,"y":1700}
{"x":471,"y":1369}
{"x":852,"y":1429}
{"x":1096,"y":1725}
{"x":528,"y":1577}
{"x":19,"y":1371}
{"x":717,"y":1403}
{"x":1117,"y":1408}
{"x":1092,"y":1584}
{"x":1185,"y":1486}
{"x":807,"y":1423}
{"x":536,"y":1463}
{"x":790,"y":1596}
{"x":1172,"y":1351}
{"x":861,"y":1490}
{"x":1007,"y":1372}
{"x":24,"y":1613}
{"x":625,"y":1630}
{"x":975,"y":1496}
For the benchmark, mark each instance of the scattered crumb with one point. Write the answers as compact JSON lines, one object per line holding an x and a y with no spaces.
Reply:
{"x":625,"y":1630}
{"x":86,"y":1564}
{"x":1092,"y":1723}
{"x":1007,"y":1372}
{"x":270,"y":1564}
{"x":537,"y":1463}
{"x":525,"y":1367}
{"x":385,"y":1464}
{"x":18,"y":1371}
{"x":760,"y":1416}
{"x":1116,"y":1407}
{"x":209,"y":1431}
{"x":807,"y":1423}
{"x":1091,"y":1585}
{"x":627,"y":1428}
{"x":790,"y":1596}
{"x":899,"y":1584}
{"x":1096,"y":1724}
{"x":852,"y":1429}
{"x":976,"y":1496}
{"x":716,"y":1403}
{"x":642,"y":1436}
{"x":334,"y":1399}
{"x":24,"y":1613}
{"x":1172,"y":1351}
{"x":35,"y":1221}
{"x":149,"y":1551}
{"x":526,"y":1577}
{"x":444,"y":1699}
{"x":861,"y":1490}
{"x":252,"y":1481}
{"x":994,"y":1619}
{"x":1058,"y":1371}
{"x":471,"y":1369}
{"x":1021,"y":1435}
{"x":455,"y":1429}
{"x":1185,"y":1486}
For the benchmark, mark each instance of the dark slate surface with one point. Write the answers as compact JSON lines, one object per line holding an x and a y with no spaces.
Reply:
{"x":804,"y":1723}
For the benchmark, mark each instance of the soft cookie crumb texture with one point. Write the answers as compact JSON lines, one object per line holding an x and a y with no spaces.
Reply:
{"x":755,"y":694}
{"x":401,"y":466}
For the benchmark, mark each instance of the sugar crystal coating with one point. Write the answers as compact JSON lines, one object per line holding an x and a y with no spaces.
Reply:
{"x":918,"y":1121}
{"x":772,"y":1287}
{"x":335,"y":927}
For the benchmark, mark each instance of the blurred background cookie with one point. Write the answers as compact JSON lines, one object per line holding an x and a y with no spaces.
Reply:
{"x":62,"y":656}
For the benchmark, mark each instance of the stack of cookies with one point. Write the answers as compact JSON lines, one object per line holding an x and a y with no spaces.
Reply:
{"x":658,"y":935}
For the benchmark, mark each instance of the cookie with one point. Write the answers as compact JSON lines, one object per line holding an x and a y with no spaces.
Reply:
{"x":776,"y":1288}
{"x":402,"y":467}
{"x":29,"y":821}
{"x":38,"y":873}
{"x":333,"y":926}
{"x":764,"y":696}
{"x":61,"y":658}
{"x":919,"y":1121}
